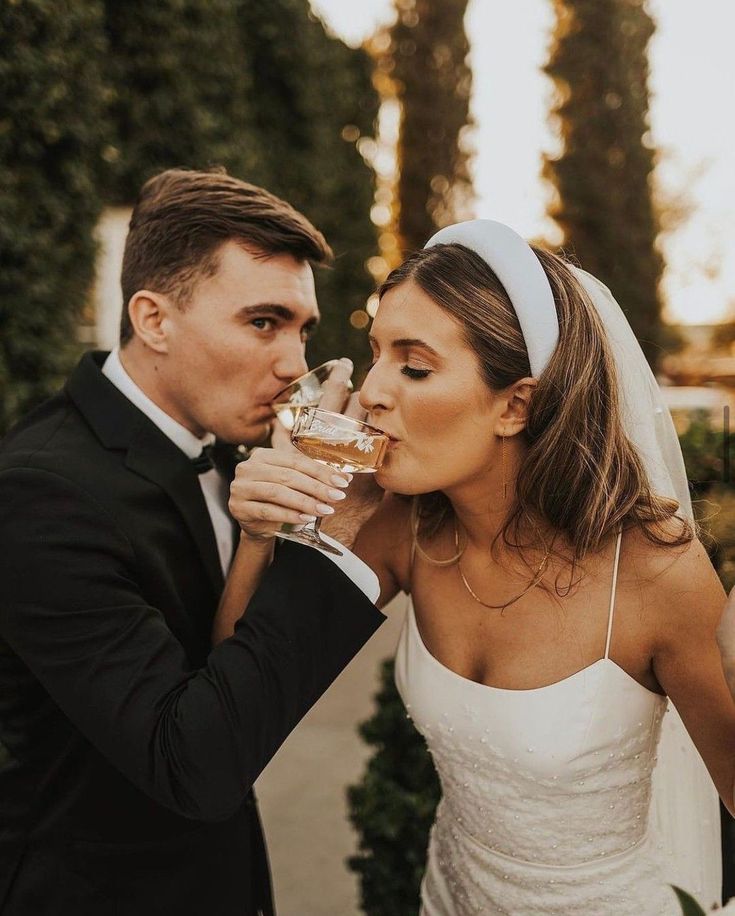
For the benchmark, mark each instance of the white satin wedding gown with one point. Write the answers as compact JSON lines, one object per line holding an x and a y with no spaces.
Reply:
{"x":545,"y":792}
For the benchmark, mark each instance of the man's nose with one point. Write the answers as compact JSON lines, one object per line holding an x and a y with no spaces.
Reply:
{"x":291,"y":362}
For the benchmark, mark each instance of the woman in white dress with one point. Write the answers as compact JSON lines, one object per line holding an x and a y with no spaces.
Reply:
{"x":559,"y":593}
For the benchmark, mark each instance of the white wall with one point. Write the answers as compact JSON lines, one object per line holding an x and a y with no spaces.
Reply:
{"x":111,"y":232}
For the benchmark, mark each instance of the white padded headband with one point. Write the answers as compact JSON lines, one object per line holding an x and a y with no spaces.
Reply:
{"x":523,"y":277}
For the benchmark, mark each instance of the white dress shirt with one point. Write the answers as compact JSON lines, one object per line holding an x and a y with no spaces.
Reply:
{"x":214,"y":488}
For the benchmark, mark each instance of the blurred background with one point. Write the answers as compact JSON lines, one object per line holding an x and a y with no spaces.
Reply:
{"x":598,"y":127}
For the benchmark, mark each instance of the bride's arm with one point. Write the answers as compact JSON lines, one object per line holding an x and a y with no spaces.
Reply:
{"x":726,"y":641}
{"x":384,"y":543}
{"x":687,"y":661}
{"x":250,"y":562}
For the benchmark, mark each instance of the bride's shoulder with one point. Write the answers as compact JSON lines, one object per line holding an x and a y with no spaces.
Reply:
{"x":671,"y":568}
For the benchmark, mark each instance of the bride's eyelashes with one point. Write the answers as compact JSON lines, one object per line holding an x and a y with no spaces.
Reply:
{"x":415,"y":373}
{"x":407,"y":370}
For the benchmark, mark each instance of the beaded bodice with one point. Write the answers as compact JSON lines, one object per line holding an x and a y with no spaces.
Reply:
{"x":556,"y":775}
{"x":545,"y":792}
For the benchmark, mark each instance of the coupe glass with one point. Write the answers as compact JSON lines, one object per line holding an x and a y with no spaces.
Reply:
{"x":305,"y":391}
{"x":340,"y":442}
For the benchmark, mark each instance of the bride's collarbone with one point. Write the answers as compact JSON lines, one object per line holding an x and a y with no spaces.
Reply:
{"x":538,"y":640}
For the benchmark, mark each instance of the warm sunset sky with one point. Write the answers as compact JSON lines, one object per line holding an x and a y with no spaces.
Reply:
{"x":693,"y":97}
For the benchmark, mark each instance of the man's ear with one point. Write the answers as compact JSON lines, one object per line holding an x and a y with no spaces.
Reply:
{"x":149,"y":314}
{"x":514,"y":417}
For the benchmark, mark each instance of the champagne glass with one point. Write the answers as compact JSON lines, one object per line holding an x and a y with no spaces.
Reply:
{"x":305,"y":391}
{"x":340,"y":442}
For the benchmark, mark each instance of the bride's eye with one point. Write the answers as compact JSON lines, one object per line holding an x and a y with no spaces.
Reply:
{"x":415,"y":373}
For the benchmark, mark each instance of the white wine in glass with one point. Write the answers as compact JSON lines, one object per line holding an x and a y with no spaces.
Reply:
{"x":341,"y":442}
{"x":305,"y":391}
{"x":354,"y":451}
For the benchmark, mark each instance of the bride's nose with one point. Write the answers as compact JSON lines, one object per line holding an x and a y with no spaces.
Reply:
{"x":374,"y":393}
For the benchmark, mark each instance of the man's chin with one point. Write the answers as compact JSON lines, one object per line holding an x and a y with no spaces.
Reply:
{"x":254,"y":434}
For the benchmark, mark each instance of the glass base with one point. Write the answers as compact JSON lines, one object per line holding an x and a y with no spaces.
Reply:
{"x":307,"y":536}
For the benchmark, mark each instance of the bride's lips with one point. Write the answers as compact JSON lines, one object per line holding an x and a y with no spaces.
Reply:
{"x":392,"y":439}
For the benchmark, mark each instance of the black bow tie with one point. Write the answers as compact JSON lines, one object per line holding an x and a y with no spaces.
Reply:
{"x":204,"y":461}
{"x":221,"y":456}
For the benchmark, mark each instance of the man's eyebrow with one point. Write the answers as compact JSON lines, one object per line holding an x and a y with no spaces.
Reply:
{"x":405,"y":342}
{"x":275,"y":310}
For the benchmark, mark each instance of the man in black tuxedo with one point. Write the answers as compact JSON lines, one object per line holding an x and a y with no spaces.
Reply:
{"x":128,"y":745}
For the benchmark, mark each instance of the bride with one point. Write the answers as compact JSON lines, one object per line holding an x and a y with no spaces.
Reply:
{"x":538,"y":515}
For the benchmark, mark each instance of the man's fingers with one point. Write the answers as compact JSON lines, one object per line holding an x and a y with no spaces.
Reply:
{"x":336,"y":390}
{"x":354,"y":409}
{"x":281,"y":438}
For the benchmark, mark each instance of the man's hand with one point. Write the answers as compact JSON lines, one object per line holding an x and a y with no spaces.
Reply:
{"x":278,"y":486}
{"x":363,"y":498}
{"x":336,"y":389}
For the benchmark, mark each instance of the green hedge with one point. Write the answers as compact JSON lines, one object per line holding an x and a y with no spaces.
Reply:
{"x":100,"y":95}
{"x":52,"y":138}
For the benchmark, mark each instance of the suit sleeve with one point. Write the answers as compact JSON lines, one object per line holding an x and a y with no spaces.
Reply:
{"x":194,"y":740}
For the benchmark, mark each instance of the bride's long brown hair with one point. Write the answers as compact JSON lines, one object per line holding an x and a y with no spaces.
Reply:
{"x":581,"y":476}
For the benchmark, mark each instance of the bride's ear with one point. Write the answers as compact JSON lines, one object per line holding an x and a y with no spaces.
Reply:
{"x":514,"y":416}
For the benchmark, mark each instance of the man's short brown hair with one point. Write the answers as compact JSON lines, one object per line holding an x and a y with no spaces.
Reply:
{"x":181,"y":220}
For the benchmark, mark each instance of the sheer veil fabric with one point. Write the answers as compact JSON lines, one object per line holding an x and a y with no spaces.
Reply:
{"x":686,"y":811}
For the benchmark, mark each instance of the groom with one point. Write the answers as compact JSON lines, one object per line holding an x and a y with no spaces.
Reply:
{"x":128,"y":746}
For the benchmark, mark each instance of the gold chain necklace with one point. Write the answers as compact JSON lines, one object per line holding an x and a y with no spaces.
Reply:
{"x":534,"y":582}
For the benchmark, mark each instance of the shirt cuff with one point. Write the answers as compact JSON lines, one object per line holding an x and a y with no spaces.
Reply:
{"x":354,"y":568}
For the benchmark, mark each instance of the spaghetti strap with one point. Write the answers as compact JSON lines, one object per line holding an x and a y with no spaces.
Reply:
{"x":612,"y":594}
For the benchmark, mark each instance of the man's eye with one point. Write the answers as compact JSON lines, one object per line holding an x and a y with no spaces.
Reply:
{"x":415,"y":373}
{"x":263,"y":324}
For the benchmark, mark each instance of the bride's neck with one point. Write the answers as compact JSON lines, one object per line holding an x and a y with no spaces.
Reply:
{"x":482,"y":505}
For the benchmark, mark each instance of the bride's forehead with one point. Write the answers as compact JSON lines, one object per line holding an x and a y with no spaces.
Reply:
{"x":407,"y":309}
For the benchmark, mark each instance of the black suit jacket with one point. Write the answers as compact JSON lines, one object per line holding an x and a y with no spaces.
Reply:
{"x":128,"y":746}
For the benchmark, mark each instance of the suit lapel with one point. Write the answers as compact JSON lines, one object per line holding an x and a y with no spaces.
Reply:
{"x":120,"y":425}
{"x":174,"y":474}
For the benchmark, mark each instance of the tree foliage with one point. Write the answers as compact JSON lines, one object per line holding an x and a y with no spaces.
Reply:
{"x":427,"y":60}
{"x":100,"y":95}
{"x":313,"y":101}
{"x":392,"y":807}
{"x":52,"y":137}
{"x":180,"y":91}
{"x":603,"y":175}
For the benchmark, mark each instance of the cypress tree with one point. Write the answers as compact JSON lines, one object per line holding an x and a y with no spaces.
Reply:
{"x":603,"y":176}
{"x":52,"y":139}
{"x":428,"y":63}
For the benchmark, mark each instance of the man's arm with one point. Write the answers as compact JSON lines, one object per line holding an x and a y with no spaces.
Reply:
{"x":194,"y":740}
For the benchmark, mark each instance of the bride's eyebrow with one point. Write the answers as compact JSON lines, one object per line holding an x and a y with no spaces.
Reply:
{"x":406,"y":342}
